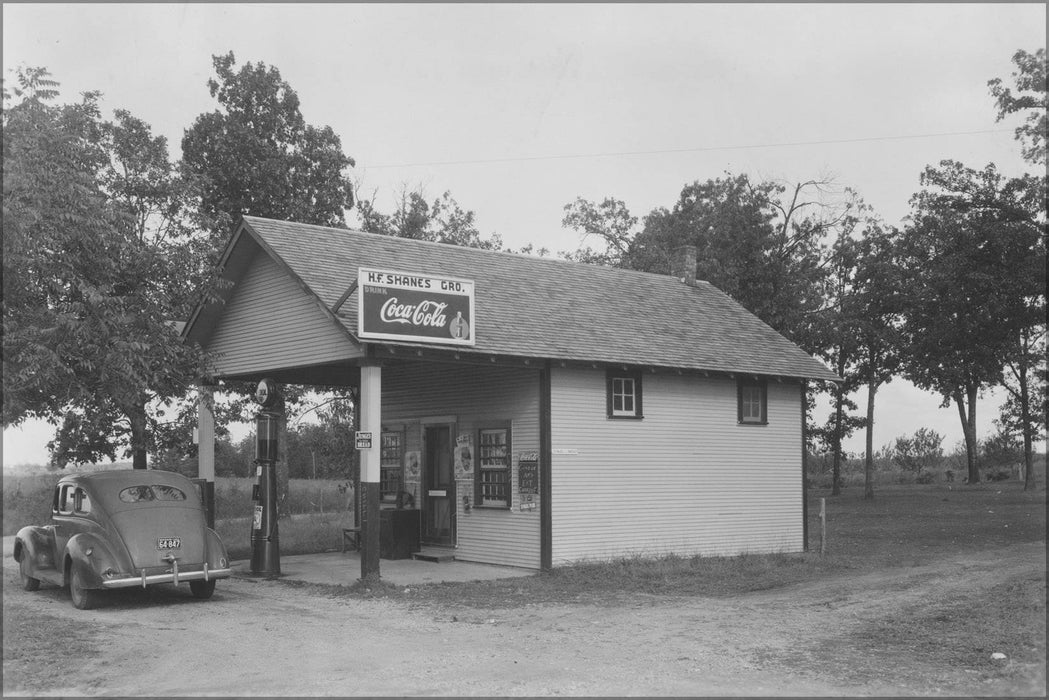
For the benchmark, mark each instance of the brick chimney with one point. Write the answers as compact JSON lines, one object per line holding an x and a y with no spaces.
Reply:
{"x":683,"y":264}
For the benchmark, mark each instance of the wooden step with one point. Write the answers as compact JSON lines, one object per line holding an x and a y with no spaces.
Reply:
{"x":434,"y":555}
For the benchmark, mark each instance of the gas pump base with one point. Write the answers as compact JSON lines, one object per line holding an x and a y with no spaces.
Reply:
{"x":265,"y":558}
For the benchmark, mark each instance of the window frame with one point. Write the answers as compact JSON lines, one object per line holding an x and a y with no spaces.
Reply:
{"x":386,"y":496}
{"x":506,"y":470}
{"x":762,"y":386}
{"x":612,"y":376}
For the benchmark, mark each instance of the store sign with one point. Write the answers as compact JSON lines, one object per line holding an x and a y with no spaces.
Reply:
{"x":528,"y":474}
{"x":408,"y":306}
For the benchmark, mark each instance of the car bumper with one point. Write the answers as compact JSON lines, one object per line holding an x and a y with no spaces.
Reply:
{"x":174,"y":575}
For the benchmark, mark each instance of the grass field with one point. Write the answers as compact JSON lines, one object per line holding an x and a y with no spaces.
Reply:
{"x":903,"y":526}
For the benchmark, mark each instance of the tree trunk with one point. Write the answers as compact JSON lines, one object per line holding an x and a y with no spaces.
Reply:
{"x":836,"y":468}
{"x":968,"y":418}
{"x":136,"y":415}
{"x":868,"y":467}
{"x":1025,"y":422}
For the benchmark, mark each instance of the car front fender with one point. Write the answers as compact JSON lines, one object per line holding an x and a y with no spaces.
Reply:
{"x":92,"y":555}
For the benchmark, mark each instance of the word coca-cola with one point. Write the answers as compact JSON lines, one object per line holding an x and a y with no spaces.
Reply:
{"x":425,"y":313}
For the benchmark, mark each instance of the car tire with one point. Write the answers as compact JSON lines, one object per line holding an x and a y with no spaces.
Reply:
{"x":83,"y":598}
{"x":202,"y":589}
{"x":28,"y":582}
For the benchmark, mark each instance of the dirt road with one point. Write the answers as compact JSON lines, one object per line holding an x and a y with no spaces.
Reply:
{"x":270,"y":638}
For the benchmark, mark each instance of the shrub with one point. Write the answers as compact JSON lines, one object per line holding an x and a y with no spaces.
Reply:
{"x":27,"y":500}
{"x":998,"y":475}
{"x":921,"y":451}
{"x":924,"y":478}
{"x":1002,"y":450}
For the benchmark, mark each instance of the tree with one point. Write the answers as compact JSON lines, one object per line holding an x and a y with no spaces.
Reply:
{"x":442,"y":221}
{"x":257,"y":155}
{"x":1029,"y":81}
{"x":973,"y":279}
{"x":760,"y":244}
{"x":875,"y":311}
{"x":838,"y":324}
{"x":610,"y":221}
{"x":95,"y":265}
{"x":1025,"y":409}
{"x":1026,"y":406}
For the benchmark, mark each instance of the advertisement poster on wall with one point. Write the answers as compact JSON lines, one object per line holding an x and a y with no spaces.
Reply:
{"x":528,"y":480}
{"x":408,"y":306}
{"x":464,"y":456}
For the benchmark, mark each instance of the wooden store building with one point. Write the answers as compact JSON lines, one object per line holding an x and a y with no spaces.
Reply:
{"x":538,"y":411}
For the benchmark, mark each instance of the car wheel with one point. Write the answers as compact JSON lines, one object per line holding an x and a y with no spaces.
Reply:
{"x":202,"y":589}
{"x":28,"y":582}
{"x":83,"y":598}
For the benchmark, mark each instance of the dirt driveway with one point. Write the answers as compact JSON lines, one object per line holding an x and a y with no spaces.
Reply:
{"x":270,"y":638}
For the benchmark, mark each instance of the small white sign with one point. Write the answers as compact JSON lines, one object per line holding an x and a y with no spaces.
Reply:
{"x":363,"y":440}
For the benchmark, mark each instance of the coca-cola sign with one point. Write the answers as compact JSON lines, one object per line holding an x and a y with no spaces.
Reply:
{"x":410,"y":306}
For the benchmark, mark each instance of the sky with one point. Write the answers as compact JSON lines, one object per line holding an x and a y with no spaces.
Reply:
{"x":518,"y":109}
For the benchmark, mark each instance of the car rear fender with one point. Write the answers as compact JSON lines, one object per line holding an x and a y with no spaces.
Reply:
{"x":91,"y":553}
{"x":36,"y":543}
{"x":217,"y":556}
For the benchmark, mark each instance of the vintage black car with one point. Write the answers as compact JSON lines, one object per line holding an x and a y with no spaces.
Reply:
{"x":119,"y":529}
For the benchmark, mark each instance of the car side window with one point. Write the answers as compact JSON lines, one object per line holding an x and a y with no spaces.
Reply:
{"x":81,"y":502}
{"x":66,"y":499}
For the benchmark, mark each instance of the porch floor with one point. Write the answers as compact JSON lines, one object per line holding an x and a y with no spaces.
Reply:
{"x":344,"y":569}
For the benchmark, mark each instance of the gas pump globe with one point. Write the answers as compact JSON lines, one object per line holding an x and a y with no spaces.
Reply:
{"x":265,"y":543}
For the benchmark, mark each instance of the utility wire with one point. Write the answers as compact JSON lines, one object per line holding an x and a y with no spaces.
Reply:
{"x":681,"y":150}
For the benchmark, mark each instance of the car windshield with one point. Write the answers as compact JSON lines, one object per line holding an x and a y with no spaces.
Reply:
{"x":157,"y":492}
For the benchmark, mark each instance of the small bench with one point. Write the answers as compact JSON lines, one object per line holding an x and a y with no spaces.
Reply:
{"x":351,"y":535}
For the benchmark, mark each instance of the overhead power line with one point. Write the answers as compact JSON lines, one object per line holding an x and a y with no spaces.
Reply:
{"x":700,"y":149}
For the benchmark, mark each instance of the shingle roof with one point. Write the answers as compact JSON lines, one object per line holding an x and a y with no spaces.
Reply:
{"x":546,"y":308}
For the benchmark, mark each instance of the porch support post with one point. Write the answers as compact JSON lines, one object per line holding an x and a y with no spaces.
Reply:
{"x":804,"y":471}
{"x":371,"y":422}
{"x":206,"y":448}
{"x":546,"y":538}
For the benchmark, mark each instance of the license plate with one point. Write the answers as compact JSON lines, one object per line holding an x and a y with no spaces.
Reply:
{"x":169,"y":543}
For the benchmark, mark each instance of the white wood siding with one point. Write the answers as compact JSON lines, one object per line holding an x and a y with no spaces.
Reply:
{"x":476,"y":397}
{"x":686,"y":479}
{"x":270,"y":322}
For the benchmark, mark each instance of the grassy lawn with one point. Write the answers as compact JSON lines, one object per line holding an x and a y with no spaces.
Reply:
{"x":903,"y":526}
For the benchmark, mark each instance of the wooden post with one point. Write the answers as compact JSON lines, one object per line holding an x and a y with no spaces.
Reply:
{"x":206,"y":448}
{"x":371,"y":422}
{"x":823,"y":526}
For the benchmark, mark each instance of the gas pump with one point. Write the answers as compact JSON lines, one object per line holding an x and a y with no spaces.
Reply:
{"x":265,"y":543}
